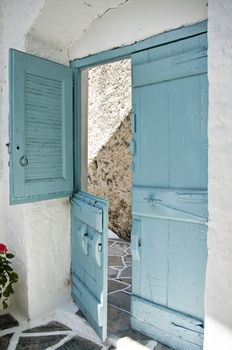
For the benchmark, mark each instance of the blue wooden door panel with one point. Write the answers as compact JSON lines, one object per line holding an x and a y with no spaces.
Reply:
{"x":169,"y":197}
{"x":155,"y":72}
{"x":186,"y":275}
{"x":185,"y":205}
{"x":89,"y":258}
{"x":175,"y":50}
{"x":41,"y":119}
{"x":170,"y":327}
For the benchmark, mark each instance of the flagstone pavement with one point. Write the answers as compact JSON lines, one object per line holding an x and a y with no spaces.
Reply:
{"x":67,"y":329}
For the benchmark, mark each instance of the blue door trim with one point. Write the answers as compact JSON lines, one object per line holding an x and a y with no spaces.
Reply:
{"x":125,"y":51}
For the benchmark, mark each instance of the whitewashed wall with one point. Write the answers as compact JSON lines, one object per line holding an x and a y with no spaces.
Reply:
{"x":218,"y":297}
{"x":136,"y":20}
{"x":38,"y":234}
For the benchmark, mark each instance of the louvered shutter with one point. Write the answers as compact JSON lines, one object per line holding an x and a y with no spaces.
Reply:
{"x":41,"y":129}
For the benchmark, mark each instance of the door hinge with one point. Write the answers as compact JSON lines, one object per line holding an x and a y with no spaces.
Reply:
{"x":134,"y":117}
{"x":8,"y":145}
{"x":196,"y":328}
{"x":133,"y":147}
{"x":134,"y":122}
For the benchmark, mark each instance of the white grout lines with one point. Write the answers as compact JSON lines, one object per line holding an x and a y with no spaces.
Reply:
{"x":124,"y":248}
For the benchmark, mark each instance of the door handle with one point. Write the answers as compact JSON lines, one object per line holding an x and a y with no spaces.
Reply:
{"x":84,"y":242}
{"x":23,"y":161}
{"x":135,"y":240}
{"x":94,"y":242}
{"x":133,"y":147}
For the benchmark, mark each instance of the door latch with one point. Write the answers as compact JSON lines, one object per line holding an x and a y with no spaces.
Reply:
{"x":8,"y":147}
{"x":151,"y":201}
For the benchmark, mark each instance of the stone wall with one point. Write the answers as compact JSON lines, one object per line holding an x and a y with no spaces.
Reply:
{"x":109,"y":173}
{"x":109,"y":176}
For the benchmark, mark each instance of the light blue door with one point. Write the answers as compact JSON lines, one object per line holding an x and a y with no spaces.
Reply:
{"x":169,"y":235}
{"x":90,"y":258}
{"x":41,"y":167}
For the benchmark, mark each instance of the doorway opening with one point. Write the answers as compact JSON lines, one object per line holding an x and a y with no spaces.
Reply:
{"x":110,"y":176}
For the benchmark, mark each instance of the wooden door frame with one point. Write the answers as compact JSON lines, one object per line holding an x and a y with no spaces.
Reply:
{"x":80,"y":67}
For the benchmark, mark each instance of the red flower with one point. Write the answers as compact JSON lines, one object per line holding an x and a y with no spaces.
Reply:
{"x":3,"y":248}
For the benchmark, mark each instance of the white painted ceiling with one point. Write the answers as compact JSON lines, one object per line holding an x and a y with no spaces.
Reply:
{"x":64,"y":21}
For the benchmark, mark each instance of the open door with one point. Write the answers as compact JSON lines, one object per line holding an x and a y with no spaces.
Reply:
{"x":89,"y":258}
{"x":169,"y":199}
{"x":41,"y":167}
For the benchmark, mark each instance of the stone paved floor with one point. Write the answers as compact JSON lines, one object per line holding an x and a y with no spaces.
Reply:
{"x":119,"y":295}
{"x":67,"y":329}
{"x":63,"y":330}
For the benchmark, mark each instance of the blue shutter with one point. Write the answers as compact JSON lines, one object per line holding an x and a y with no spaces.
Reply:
{"x":41,"y":129}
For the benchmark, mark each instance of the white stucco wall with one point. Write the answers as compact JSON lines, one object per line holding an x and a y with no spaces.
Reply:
{"x":39,"y":233}
{"x":136,"y":20}
{"x":12,"y":224}
{"x":218,"y":334}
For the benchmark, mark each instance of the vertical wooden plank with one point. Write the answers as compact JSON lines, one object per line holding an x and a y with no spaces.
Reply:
{"x":188,"y":140}
{"x":154,"y":266}
{"x":186,"y":273}
{"x":152,"y":136}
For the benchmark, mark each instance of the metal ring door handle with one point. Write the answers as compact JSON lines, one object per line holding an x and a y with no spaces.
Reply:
{"x":23,"y":161}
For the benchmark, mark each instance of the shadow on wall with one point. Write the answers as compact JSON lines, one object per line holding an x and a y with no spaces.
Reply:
{"x":109,"y":176}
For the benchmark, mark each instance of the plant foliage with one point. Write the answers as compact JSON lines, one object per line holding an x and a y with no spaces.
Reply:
{"x":7,"y":276}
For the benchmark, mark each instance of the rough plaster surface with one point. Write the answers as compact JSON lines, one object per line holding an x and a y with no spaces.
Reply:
{"x":109,"y":174}
{"x":218,"y":333}
{"x":69,"y":19}
{"x":134,"y":21}
{"x":12,"y":225}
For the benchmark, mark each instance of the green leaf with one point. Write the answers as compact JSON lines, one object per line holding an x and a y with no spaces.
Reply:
{"x":3,"y":279}
{"x":8,"y":268}
{"x":9,"y":255}
{"x":13,"y":277}
{"x":4,"y":303}
{"x":11,"y":289}
{"x":7,"y":292}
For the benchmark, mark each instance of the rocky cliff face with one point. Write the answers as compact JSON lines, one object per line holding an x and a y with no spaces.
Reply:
{"x":109,"y":176}
{"x":109,"y":172}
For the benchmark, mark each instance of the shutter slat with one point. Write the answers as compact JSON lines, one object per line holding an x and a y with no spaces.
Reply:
{"x":41,"y":128}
